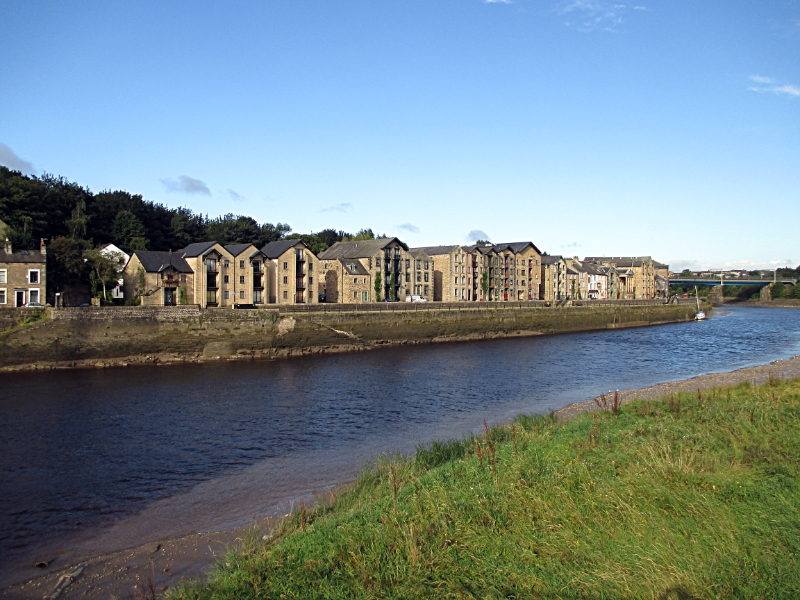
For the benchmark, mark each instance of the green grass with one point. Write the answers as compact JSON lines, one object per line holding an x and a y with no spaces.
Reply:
{"x":694,"y":496}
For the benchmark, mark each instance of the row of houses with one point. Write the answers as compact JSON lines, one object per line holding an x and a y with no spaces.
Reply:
{"x":288,"y":272}
{"x":385,"y":269}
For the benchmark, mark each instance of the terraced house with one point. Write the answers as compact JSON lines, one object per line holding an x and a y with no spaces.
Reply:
{"x":387,"y":260}
{"x":637,"y":274}
{"x":291,"y":269}
{"x":22,"y":275}
{"x":158,"y":279}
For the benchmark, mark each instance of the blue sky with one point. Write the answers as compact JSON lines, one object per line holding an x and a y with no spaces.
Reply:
{"x":589,"y":127}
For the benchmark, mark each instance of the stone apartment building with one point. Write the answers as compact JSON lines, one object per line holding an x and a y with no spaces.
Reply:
{"x":384,"y":258}
{"x":637,"y":273}
{"x":554,"y":285}
{"x":578,"y":280}
{"x":245,"y":275}
{"x":158,"y":279}
{"x":479,"y":260}
{"x":450,"y":278}
{"x":522,"y":270}
{"x":422,"y":275}
{"x":211,"y":264}
{"x":23,"y":275}
{"x":291,"y":272}
{"x":346,"y":281}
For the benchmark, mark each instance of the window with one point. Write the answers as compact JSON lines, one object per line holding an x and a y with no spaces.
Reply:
{"x":241,"y":295}
{"x":226,"y":279}
{"x":33,"y":277}
{"x":355,"y":280}
{"x":355,"y":295}
{"x":211,"y":266}
{"x":183,"y":278}
{"x":426,"y":290}
{"x":286,"y":280}
{"x":286,"y":265}
{"x":33,"y":296}
{"x":256,"y":296}
{"x":378,"y":262}
{"x":310,"y":280}
{"x":241,"y":264}
{"x":419,"y":264}
{"x":285,"y":295}
{"x":419,"y":276}
{"x":426,"y":279}
{"x":408,"y":264}
{"x":211,"y":296}
{"x":325,"y":266}
{"x":3,"y":297}
{"x":363,"y":296}
{"x":456,"y":281}
{"x":426,"y":265}
{"x":408,"y":277}
{"x":310,"y":266}
{"x":3,"y":276}
{"x":225,"y":294}
{"x":226,"y":264}
{"x":241,"y":279}
{"x":256,"y":266}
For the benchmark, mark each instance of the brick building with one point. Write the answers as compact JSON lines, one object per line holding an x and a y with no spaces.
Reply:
{"x":22,"y":275}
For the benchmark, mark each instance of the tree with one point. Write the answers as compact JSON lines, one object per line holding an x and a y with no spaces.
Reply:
{"x":104,"y":269}
{"x":797,"y":290}
{"x":393,"y":287}
{"x":65,"y":264}
{"x":687,"y":273}
{"x":78,"y":221}
{"x":485,"y":284}
{"x":482,"y":242}
{"x":363,"y":234}
{"x":127,"y":232}
{"x":378,"y":287}
{"x":778,"y":290}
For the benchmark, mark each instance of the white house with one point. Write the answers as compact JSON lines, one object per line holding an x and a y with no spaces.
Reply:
{"x":111,"y":251}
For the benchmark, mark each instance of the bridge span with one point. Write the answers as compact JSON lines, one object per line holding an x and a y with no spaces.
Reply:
{"x":721,"y":281}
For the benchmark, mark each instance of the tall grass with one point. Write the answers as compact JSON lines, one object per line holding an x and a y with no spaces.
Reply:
{"x":692,"y":496}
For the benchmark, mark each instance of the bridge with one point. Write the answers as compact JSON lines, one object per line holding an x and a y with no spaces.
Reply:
{"x":734,"y":281}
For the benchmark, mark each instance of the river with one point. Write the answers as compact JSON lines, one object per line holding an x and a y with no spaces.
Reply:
{"x":98,"y":460}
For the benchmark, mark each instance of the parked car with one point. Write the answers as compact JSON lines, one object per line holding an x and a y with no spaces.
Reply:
{"x":323,"y":298}
{"x":34,"y":305}
{"x":415,"y":298}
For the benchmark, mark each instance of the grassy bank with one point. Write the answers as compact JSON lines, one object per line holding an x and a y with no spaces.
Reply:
{"x":691,"y":496}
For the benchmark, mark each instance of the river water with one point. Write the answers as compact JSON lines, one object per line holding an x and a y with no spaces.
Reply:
{"x":93,"y":461}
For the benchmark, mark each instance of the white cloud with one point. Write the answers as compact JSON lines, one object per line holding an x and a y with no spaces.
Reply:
{"x":186,"y":185}
{"x":771,"y":86}
{"x":572,"y":245}
{"x":9,"y":158}
{"x":591,"y":15}
{"x":409,"y":227}
{"x":498,"y":1}
{"x":341,"y":207}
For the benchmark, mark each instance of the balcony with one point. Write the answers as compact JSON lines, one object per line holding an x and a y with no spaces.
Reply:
{"x":211,"y":281}
{"x":257,"y":282}
{"x":300,"y":283}
{"x":299,"y":256}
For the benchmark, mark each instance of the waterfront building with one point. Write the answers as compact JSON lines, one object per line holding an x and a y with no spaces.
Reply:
{"x":211,"y":265}
{"x":23,"y":275}
{"x":346,"y":280}
{"x":291,"y":269}
{"x":637,"y":273}
{"x":422,"y":274}
{"x":246,"y":275}
{"x":521,"y":270}
{"x":449,"y":273}
{"x":114,"y":253}
{"x":158,"y":279}
{"x":553,"y":284}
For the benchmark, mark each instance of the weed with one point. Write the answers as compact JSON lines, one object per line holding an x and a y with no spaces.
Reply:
{"x":614,"y":404}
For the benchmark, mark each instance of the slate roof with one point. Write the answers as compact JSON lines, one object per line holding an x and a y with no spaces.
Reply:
{"x":196,"y":249}
{"x":436,"y":250}
{"x":516,"y":247}
{"x":22,"y":256}
{"x":359,"y":249}
{"x":571,"y":272}
{"x":353,"y":267}
{"x":237,"y":249}
{"x":623,"y":261}
{"x":276,"y":249}
{"x":155,"y":261}
{"x":551,"y":260}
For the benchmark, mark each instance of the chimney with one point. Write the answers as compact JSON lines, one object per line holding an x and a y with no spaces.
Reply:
{"x":42,"y":247}
{"x":7,"y":246}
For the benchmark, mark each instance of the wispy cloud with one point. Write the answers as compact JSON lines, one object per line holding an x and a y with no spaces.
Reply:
{"x":186,"y":185}
{"x":477,"y":234}
{"x":572,"y":245}
{"x":236,"y":197}
{"x":409,"y":227}
{"x":341,"y":207}
{"x":498,"y":1}
{"x":593,"y":15}
{"x":772,"y":86}
{"x":9,"y":158}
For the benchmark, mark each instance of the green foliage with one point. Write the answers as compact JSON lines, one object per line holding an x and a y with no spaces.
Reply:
{"x":482,"y":242}
{"x":778,"y":290}
{"x":485,"y":284}
{"x":183,"y":296}
{"x":363,"y":234}
{"x":378,"y":287}
{"x":104,"y":270}
{"x":65,"y":264}
{"x":127,"y":232}
{"x":692,"y":496}
{"x":687,"y":273}
{"x":797,"y":290}
{"x":393,"y":287}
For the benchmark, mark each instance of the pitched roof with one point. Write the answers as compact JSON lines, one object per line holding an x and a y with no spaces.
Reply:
{"x":154,"y":261}
{"x":237,"y":249}
{"x":22,"y":256}
{"x":357,"y":249}
{"x":196,"y":249}
{"x":551,"y":260}
{"x":436,"y":250}
{"x":622,"y":261}
{"x":353,"y":267}
{"x":276,"y":249}
{"x":517,"y":247}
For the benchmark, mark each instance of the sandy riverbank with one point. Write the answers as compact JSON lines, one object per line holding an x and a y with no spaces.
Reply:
{"x":167,"y":562}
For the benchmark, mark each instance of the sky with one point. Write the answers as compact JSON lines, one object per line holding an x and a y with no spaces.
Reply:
{"x":661,"y":128}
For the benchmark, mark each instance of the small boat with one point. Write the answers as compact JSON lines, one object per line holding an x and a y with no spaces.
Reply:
{"x":700,"y":316}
